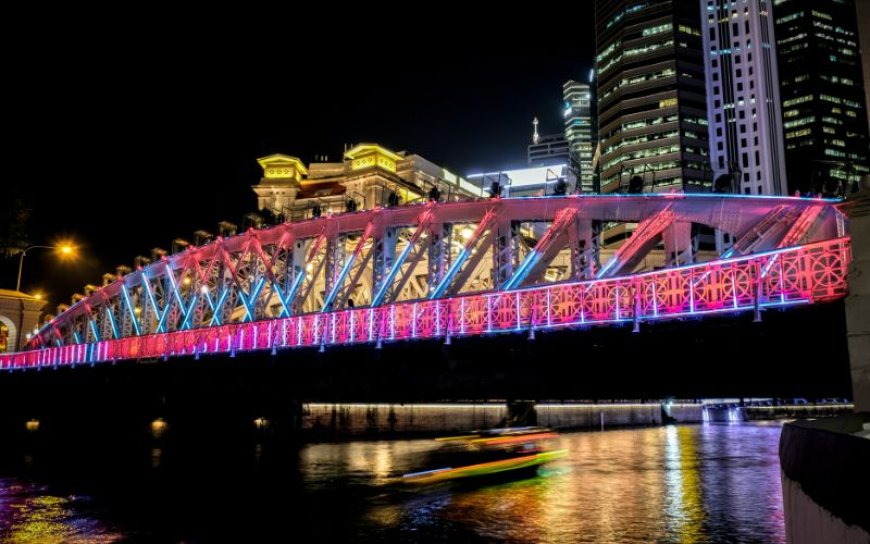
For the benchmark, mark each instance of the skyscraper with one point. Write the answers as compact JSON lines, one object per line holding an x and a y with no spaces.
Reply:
{"x":743,"y":96}
{"x":864,"y":35}
{"x":652,"y":110}
{"x":823,"y":110}
{"x":580,"y":131}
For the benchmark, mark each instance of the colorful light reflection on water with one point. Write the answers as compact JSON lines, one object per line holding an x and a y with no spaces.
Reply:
{"x":704,"y":483}
{"x":30,"y":513}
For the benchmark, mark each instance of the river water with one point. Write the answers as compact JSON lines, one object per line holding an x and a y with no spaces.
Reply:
{"x":693,"y":483}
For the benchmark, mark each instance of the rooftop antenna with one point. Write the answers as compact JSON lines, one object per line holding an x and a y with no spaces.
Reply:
{"x":535,"y":137}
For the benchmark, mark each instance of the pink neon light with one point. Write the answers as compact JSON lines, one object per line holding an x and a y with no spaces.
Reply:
{"x":806,"y":274}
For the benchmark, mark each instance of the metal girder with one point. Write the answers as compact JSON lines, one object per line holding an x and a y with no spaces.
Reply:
{"x":801,"y":227}
{"x":506,"y":251}
{"x":584,"y":240}
{"x":547,"y":247}
{"x":679,"y":244}
{"x":262,"y":274}
{"x":642,"y":240}
{"x":335,"y":259}
{"x":765,"y":234}
{"x":464,"y":254}
{"x":387,"y":266}
{"x":439,"y":254}
{"x":338,"y":282}
{"x":383,"y":260}
{"x":298,"y":295}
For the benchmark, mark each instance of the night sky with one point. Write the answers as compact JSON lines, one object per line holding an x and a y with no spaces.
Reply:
{"x":125,"y":155}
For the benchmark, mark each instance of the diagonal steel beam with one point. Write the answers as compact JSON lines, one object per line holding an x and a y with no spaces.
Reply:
{"x":642,"y":240}
{"x":422,"y":225}
{"x":801,"y":227}
{"x":339,"y":280}
{"x":484,"y":224}
{"x":545,"y":250}
{"x":763,"y":235}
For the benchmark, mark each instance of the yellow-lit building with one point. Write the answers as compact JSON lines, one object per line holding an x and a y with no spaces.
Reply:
{"x":367,"y":177}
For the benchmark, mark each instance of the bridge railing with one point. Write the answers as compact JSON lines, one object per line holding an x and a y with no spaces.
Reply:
{"x":798,"y":275}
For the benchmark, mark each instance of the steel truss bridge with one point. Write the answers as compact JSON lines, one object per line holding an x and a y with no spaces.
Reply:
{"x":441,"y":270}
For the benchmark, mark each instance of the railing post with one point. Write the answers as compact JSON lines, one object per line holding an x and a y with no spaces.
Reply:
{"x":637,"y":288}
{"x":758,"y":291}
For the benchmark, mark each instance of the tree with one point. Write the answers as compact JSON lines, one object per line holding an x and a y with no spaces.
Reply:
{"x":13,"y":227}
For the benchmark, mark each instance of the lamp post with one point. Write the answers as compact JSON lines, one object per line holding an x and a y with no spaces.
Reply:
{"x":64,"y":249}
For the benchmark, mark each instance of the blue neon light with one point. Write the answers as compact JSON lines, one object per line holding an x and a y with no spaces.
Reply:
{"x":248,"y":298}
{"x":379,"y":296}
{"x":215,"y":308}
{"x":523,"y":270}
{"x":297,"y":282}
{"x":115,"y":333}
{"x":448,"y":277}
{"x":338,"y":283}
{"x":130,"y":309}
{"x":185,"y":323}
{"x":607,"y":266}
{"x":94,"y":330}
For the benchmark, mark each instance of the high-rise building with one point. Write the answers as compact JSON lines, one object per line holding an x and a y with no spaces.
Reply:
{"x":823,"y":109}
{"x":863,"y":8}
{"x":652,"y":110}
{"x":580,"y":131}
{"x":548,"y":149}
{"x":743,"y":97}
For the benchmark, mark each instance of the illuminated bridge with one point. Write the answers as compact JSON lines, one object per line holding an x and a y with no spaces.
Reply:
{"x":443,"y":270}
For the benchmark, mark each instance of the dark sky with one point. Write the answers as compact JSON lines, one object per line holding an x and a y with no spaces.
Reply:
{"x":124,"y":142}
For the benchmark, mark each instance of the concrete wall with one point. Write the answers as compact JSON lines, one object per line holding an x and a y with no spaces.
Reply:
{"x":808,"y":523}
{"x":561,"y":416}
{"x":354,"y":419}
{"x":825,"y":479}
{"x":401,"y":418}
{"x":857,"y":207}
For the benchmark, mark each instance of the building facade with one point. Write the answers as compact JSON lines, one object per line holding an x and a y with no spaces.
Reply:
{"x":548,"y":149}
{"x":823,"y":109}
{"x":580,"y":132}
{"x":19,"y":317}
{"x":864,"y":39}
{"x":368,"y":176}
{"x":743,"y":103}
{"x":652,"y":109}
{"x":531,"y":181}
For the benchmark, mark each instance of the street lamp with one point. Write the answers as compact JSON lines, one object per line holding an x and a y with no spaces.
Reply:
{"x":65,"y":250}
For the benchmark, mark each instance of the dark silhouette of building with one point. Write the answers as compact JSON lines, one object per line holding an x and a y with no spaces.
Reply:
{"x":822,"y":92}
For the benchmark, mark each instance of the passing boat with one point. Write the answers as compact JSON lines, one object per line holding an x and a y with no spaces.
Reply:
{"x":512,"y":452}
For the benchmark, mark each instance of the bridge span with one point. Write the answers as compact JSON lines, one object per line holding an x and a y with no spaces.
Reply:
{"x":443,"y":270}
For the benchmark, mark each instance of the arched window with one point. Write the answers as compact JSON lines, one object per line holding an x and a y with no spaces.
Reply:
{"x":4,"y":338}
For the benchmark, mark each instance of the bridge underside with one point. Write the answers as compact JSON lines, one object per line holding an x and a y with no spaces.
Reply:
{"x":720,"y":356}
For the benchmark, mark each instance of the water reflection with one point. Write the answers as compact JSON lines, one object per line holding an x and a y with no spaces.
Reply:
{"x":28,"y":514}
{"x":620,"y":486}
{"x":706,"y":483}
